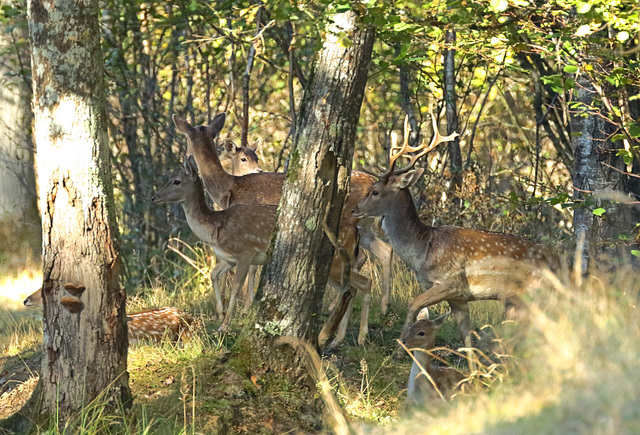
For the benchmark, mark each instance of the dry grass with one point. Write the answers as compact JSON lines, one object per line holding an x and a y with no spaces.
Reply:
{"x":575,"y":373}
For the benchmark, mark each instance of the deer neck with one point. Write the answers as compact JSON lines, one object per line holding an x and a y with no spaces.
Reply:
{"x":217,"y":181}
{"x":199,"y":216}
{"x":410,"y":238}
{"x":417,"y":380}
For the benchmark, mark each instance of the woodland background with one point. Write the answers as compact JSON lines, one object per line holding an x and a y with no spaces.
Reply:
{"x":544,"y":94}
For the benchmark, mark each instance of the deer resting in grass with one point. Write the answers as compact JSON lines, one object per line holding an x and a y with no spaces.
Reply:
{"x":150,"y":325}
{"x":419,"y":339}
{"x":266,"y":187}
{"x":240,"y":236}
{"x":455,"y":264}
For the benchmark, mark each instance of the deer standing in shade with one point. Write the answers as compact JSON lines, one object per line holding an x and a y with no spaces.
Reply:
{"x":454,"y":264}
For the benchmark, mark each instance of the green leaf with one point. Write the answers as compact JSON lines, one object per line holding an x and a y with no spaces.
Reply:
{"x":583,"y":30}
{"x":622,"y":36}
{"x":635,"y":252}
{"x":599,"y":211}
{"x":499,"y":5}
{"x":583,"y":7}
{"x":634,"y":130}
{"x":571,"y":69}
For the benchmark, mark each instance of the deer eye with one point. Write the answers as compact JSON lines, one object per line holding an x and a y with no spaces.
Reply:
{"x":421,"y":334}
{"x":176,"y":182}
{"x":374,"y":193}
{"x":243,"y":159}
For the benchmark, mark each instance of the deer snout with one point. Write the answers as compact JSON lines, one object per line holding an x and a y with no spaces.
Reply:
{"x":357,"y":213}
{"x":156,"y":200}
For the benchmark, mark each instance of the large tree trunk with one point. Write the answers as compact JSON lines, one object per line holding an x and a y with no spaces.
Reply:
{"x":85,"y":333}
{"x":19,"y":219}
{"x":289,"y":297}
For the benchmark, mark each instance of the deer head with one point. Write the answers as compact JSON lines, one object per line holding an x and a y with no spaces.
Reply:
{"x":391,"y":183}
{"x":244,"y":160}
{"x":422,"y":334}
{"x":201,"y":136}
{"x":181,"y":186}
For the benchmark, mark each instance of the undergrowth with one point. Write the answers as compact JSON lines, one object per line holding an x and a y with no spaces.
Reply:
{"x":575,"y":372}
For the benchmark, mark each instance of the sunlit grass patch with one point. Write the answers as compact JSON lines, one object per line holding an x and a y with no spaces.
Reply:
{"x":575,"y":373}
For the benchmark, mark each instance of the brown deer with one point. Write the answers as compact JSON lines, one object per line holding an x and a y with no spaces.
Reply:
{"x":266,"y":188}
{"x":419,"y":339}
{"x":455,"y":264}
{"x":150,"y":325}
{"x":238,"y":160}
{"x":239,"y":234}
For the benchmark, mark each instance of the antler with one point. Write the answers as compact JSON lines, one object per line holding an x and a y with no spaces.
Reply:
{"x":422,"y":148}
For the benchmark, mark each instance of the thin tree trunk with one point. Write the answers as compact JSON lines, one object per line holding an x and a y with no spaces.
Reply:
{"x":455,"y":156}
{"x":85,"y":335}
{"x":293,"y":280}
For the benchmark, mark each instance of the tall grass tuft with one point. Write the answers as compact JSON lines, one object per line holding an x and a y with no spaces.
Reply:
{"x":575,"y":372}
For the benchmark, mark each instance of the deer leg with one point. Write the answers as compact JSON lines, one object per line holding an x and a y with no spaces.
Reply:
{"x":336,"y":315}
{"x":384,"y":252}
{"x":342,"y":327}
{"x":460,"y":311}
{"x":218,"y":271}
{"x":248,"y":296}
{"x":242,"y":269}
{"x":437,"y":293}
{"x":364,"y":317}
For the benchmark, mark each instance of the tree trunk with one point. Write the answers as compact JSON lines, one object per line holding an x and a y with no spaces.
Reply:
{"x":85,"y":333}
{"x":455,"y":156}
{"x":593,"y":181}
{"x":19,"y":219}
{"x":289,"y":297}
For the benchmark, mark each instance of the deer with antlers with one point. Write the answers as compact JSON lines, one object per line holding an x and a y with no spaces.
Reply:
{"x":455,"y":264}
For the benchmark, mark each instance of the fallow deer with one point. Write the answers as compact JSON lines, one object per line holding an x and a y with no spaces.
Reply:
{"x":239,"y":234}
{"x":238,"y":160}
{"x":150,"y":325}
{"x":455,"y":264}
{"x":425,"y":380}
{"x":266,"y":188}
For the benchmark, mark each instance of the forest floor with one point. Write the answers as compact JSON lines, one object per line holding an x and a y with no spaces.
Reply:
{"x":553,"y":380}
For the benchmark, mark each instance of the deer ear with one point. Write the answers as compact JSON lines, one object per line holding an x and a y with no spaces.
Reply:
{"x":440,"y":320}
{"x":254,"y":146}
{"x":216,"y":125}
{"x":423,"y":314}
{"x":191,"y":166}
{"x":183,"y":125}
{"x":407,"y":179}
{"x":230,"y":147}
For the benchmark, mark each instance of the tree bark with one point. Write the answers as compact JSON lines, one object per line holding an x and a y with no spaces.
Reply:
{"x":19,"y":219}
{"x":292,"y":284}
{"x":85,"y":333}
{"x":594,"y":182}
{"x":455,"y":156}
